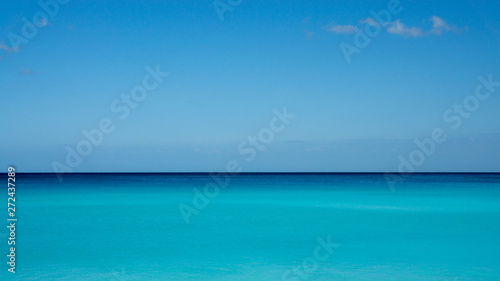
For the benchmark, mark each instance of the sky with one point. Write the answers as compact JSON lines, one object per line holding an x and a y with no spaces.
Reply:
{"x":325,"y":86}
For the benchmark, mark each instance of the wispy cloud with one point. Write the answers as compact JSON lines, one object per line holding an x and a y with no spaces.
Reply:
{"x":308,"y":34}
{"x":439,"y":26}
{"x":337,"y":28}
{"x":306,"y":22}
{"x":43,"y":22}
{"x":370,"y":21}
{"x":26,"y":71}
{"x":400,"y":29}
{"x":7,"y":48}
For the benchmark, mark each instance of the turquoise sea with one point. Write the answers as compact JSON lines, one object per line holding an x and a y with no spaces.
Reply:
{"x":257,"y":227}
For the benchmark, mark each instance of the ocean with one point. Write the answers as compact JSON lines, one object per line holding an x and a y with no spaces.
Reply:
{"x":254,"y":227}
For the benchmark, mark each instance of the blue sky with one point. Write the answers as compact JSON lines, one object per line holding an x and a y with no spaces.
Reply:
{"x":226,"y":77}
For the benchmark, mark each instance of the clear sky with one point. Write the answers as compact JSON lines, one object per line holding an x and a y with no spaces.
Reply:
{"x":230,"y":64}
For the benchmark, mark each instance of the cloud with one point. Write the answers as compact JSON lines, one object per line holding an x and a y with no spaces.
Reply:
{"x":341,"y":28}
{"x":26,"y":71}
{"x":306,"y":22}
{"x":43,"y":22}
{"x":439,"y":26}
{"x":308,"y":34}
{"x":370,"y":21}
{"x":400,"y":29}
{"x":7,"y":49}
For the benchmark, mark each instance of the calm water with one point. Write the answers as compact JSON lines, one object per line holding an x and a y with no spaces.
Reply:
{"x":259,"y":227}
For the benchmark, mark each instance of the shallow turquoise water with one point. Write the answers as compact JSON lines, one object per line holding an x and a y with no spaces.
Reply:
{"x":259,"y":227}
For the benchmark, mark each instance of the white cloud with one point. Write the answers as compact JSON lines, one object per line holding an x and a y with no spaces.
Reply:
{"x":400,"y":29}
{"x":370,"y":21}
{"x":439,"y":23}
{"x":342,"y":28}
{"x":439,"y":26}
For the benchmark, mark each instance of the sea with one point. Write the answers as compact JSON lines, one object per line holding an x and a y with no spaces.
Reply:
{"x":257,"y":226}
